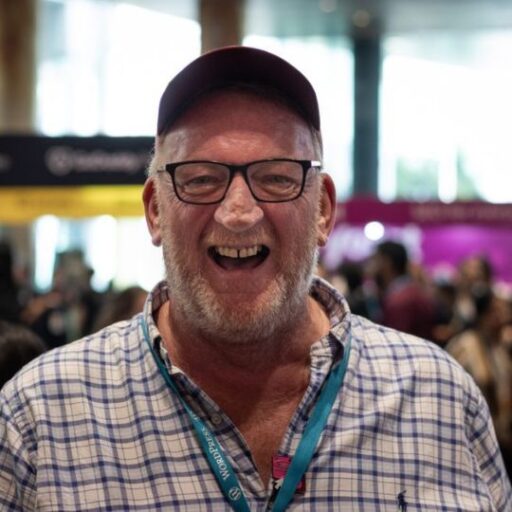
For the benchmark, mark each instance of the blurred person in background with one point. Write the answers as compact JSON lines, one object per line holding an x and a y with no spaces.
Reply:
{"x":69,"y":309}
{"x":506,"y":343}
{"x":10,"y":301}
{"x":348,"y":278}
{"x":474,"y":271}
{"x":406,"y":303}
{"x":446,"y":322}
{"x":506,"y":337}
{"x":18,"y":346}
{"x":120,"y":305}
{"x":481,"y":350}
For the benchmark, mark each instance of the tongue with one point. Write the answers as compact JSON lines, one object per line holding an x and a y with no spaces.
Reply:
{"x":238,"y":263}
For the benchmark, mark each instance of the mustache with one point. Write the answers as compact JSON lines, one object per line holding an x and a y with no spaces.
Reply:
{"x":255,"y":236}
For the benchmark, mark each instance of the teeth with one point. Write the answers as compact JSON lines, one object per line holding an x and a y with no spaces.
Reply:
{"x":249,"y":251}
{"x":228,"y":252}
{"x":246,"y":252}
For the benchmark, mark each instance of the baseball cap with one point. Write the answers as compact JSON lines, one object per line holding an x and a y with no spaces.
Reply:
{"x":236,"y":64}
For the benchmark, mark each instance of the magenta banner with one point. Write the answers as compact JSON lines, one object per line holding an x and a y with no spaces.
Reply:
{"x":437,"y":235}
{"x":364,"y":210}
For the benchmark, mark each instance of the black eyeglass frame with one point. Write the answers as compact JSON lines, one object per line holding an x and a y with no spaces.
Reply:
{"x":242,"y":169}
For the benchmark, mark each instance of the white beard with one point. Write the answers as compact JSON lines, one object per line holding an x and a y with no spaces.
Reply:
{"x":277,"y":308}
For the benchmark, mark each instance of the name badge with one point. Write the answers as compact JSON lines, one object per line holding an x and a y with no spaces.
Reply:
{"x":280,"y":464}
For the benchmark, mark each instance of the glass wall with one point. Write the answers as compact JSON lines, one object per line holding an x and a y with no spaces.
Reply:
{"x":102,"y":67}
{"x":107,"y":244}
{"x":445,"y":116}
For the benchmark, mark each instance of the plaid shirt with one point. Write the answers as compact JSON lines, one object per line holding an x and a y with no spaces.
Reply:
{"x":92,"y":426}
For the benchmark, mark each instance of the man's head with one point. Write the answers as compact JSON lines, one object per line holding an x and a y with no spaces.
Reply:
{"x":239,"y":265}
{"x":234,"y":65}
{"x":474,"y":270}
{"x":391,"y":261}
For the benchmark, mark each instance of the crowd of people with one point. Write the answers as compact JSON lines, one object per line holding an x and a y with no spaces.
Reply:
{"x":468,"y":315}
{"x":32,"y":323}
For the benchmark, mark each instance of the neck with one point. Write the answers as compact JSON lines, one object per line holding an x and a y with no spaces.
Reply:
{"x":279,"y":364}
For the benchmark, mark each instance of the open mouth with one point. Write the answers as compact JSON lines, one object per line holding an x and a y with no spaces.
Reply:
{"x":230,"y":258}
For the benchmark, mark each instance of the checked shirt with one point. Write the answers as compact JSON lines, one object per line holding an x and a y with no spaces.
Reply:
{"x":92,"y":426}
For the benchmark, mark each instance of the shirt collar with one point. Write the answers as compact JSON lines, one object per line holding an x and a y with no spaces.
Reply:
{"x":333,"y":302}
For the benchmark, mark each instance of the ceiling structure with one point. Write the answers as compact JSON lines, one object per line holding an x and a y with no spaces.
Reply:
{"x":288,"y":18}
{"x":335,"y":17}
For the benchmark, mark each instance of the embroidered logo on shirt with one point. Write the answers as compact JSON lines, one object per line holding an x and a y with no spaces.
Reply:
{"x":402,"y":504}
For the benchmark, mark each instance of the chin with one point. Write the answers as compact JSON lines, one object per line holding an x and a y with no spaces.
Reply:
{"x":236,"y":316}
{"x":241,"y":319}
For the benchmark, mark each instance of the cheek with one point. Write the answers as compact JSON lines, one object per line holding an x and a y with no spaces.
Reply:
{"x":296,"y":227}
{"x":184,"y":225}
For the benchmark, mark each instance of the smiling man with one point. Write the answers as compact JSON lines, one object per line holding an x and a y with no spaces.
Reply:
{"x":239,"y":243}
{"x":245,"y":383}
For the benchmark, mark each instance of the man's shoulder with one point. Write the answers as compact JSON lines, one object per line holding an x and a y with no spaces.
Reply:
{"x":392,"y":354}
{"x":376,"y":334}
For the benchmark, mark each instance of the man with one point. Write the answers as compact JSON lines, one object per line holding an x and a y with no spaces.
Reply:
{"x":245,"y":384}
{"x":406,"y":305}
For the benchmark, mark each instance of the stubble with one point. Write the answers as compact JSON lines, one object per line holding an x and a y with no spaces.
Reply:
{"x":271,"y":313}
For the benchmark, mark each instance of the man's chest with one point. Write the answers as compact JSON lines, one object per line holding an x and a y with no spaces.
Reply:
{"x":352,"y":469}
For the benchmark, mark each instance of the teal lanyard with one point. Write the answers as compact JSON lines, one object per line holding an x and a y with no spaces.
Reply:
{"x":221,"y":466}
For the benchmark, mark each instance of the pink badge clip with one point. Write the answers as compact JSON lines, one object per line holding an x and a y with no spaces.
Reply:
{"x":280,"y":464}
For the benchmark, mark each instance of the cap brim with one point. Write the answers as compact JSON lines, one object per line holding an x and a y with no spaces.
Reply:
{"x":238,"y":64}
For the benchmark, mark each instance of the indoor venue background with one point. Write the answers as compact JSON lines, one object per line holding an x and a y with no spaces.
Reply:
{"x":415,"y":104}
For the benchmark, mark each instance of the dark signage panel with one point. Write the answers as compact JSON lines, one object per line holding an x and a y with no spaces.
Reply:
{"x":29,"y":160}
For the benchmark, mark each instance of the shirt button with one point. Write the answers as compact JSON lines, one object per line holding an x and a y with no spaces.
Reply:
{"x":216,"y":419}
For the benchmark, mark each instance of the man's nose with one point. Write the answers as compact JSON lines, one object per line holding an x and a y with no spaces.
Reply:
{"x":238,"y":211}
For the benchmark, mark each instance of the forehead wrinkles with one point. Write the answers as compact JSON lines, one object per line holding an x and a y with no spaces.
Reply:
{"x":232,"y":118}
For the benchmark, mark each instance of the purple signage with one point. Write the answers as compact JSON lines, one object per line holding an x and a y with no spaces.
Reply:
{"x":437,"y":235}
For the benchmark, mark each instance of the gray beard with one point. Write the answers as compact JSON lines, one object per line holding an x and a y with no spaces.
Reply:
{"x":282,"y":305}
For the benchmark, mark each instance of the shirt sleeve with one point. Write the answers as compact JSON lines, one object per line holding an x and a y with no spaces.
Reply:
{"x":484,"y":446}
{"x":17,"y":473}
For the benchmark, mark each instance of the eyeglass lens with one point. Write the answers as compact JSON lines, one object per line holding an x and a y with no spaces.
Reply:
{"x":275,"y":180}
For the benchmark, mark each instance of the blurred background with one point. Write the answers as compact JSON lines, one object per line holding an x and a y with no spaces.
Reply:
{"x":414,"y":96}
{"x":415,"y":99}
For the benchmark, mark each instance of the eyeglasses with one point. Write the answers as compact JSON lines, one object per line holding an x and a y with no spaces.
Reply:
{"x":270,"y":181}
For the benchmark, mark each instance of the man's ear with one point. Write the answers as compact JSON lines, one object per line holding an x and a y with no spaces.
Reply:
{"x":152,"y":211}
{"x":327,"y":210}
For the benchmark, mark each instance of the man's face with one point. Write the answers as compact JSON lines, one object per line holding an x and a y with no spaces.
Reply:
{"x":238,"y":270}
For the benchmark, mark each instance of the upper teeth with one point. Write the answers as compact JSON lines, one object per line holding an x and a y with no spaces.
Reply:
{"x":246,"y":252}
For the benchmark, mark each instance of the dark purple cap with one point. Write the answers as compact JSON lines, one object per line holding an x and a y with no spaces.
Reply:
{"x":236,"y":64}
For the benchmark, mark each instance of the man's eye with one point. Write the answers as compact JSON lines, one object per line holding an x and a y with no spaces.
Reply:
{"x":203,"y":180}
{"x":276,"y":179}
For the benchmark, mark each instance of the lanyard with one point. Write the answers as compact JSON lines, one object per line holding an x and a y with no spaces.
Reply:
{"x":219,"y":463}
